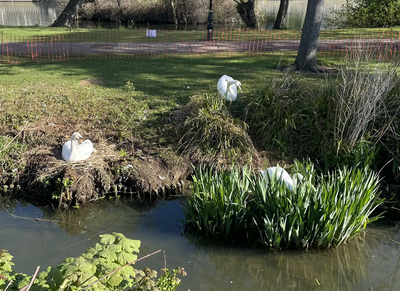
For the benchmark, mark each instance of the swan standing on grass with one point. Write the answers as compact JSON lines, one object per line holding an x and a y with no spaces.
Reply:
{"x":227,"y":87}
{"x":74,"y":150}
{"x":283,"y":176}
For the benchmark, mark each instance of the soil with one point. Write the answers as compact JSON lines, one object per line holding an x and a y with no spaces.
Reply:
{"x":112,"y":169}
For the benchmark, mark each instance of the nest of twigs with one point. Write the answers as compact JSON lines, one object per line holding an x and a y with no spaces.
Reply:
{"x":139,"y":173}
{"x":76,"y":182}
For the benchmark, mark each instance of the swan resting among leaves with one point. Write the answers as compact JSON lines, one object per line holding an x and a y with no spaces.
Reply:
{"x":227,"y":87}
{"x":280,"y":174}
{"x":74,"y":150}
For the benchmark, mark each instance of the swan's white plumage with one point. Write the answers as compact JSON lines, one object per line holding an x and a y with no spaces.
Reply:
{"x":227,"y":87}
{"x":281,"y":175}
{"x":73,"y":151}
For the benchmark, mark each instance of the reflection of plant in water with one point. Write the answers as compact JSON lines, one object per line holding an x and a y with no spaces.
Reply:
{"x":8,"y":203}
{"x":95,"y":217}
{"x":327,"y":270}
{"x":106,"y":266}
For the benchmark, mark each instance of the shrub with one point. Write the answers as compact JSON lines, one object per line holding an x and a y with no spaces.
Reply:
{"x":367,"y":13}
{"x":163,"y":11}
{"x":318,"y":212}
{"x":347,"y":118}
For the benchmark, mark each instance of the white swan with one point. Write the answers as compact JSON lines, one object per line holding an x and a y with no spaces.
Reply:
{"x":283,"y":176}
{"x":73,"y":151}
{"x":227,"y":87}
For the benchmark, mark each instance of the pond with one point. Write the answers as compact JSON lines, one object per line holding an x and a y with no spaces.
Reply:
{"x":369,"y":262}
{"x":30,"y":14}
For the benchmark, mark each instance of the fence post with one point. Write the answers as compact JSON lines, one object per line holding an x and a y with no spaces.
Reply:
{"x":2,"y":45}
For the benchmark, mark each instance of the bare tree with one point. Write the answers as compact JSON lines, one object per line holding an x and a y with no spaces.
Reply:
{"x":247,"y":13}
{"x":282,"y":13}
{"x":306,"y":59}
{"x":69,"y":14}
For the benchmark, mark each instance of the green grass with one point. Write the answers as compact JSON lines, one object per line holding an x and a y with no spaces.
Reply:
{"x":132,"y":101}
{"x":10,"y":33}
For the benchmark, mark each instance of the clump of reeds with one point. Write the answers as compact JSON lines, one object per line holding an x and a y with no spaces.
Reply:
{"x":332,"y":119}
{"x":364,"y":109}
{"x":219,"y":204}
{"x":320,"y":211}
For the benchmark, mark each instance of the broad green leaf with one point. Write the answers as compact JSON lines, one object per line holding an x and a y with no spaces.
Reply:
{"x":107,"y":239}
{"x":130,"y":245}
{"x":108,"y":255}
{"x":124,"y":258}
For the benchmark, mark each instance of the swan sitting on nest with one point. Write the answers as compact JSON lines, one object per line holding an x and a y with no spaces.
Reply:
{"x":75,"y":151}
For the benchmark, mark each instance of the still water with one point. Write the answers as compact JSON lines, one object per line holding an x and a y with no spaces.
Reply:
{"x":30,"y":14}
{"x":370,"y":262}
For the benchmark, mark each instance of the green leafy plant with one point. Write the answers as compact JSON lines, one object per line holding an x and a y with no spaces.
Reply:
{"x":366,"y":13}
{"x":106,"y":266}
{"x":168,"y":281}
{"x":219,"y":202}
{"x":10,"y":156}
{"x":319,"y":211}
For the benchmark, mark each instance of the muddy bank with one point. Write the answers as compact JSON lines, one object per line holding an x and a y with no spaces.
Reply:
{"x":130,"y":168}
{"x":111,"y":170}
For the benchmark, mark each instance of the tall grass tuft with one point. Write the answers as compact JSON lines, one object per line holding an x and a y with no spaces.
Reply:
{"x":335,"y":119}
{"x":320,"y":211}
{"x":273,"y":108}
{"x":362,"y":101}
{"x":210,"y":128}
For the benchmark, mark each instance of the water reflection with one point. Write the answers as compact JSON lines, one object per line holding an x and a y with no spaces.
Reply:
{"x":102,"y":217}
{"x":238,"y":269}
{"x":26,"y":14}
{"x":369,"y":262}
{"x":30,"y":14}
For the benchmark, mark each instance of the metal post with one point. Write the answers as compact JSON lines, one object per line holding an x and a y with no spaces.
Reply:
{"x":210,"y":23}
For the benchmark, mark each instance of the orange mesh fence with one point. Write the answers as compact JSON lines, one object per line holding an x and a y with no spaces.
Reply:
{"x":127,"y":43}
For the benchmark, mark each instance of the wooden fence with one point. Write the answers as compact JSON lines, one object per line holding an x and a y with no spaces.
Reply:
{"x":132,"y":43}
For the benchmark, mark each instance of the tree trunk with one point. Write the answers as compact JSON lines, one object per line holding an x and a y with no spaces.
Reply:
{"x":247,"y":13}
{"x":282,"y":13}
{"x":69,"y":14}
{"x":173,"y":9}
{"x":306,"y":59}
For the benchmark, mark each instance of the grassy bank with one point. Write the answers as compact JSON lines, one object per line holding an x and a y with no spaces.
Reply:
{"x":124,"y":106}
{"x":150,"y":118}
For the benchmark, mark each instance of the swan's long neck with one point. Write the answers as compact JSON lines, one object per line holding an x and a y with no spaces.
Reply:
{"x":74,"y":144}
{"x":230,"y":83}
